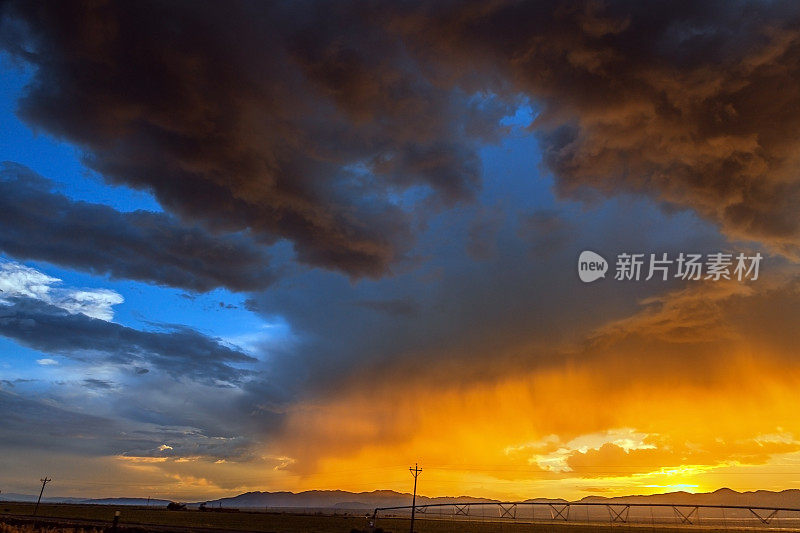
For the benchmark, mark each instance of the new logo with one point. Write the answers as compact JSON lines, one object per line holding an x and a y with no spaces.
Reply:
{"x":591,"y":266}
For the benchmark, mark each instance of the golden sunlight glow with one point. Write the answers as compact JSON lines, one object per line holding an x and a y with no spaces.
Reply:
{"x":566,"y":432}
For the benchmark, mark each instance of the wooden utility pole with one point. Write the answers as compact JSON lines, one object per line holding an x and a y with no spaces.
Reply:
{"x":415,"y":471}
{"x":44,"y":481}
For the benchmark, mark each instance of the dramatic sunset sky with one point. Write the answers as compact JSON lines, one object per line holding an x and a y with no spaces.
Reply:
{"x":304,"y":245}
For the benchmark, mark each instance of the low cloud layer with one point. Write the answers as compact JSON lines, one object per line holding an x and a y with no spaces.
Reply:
{"x":179,"y":351}
{"x":37,"y":223}
{"x":31,"y":424}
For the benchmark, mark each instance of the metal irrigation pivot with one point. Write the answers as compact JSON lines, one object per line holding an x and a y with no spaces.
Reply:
{"x":415,"y":471}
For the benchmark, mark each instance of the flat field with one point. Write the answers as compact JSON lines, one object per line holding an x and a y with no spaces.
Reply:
{"x":70,"y":518}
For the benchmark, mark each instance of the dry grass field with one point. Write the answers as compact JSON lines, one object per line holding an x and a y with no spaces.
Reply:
{"x":61,"y":518}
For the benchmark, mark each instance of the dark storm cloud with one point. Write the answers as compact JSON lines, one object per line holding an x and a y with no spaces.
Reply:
{"x":296,"y":121}
{"x":474,"y":321}
{"x":36,"y":223}
{"x":302,"y":120}
{"x":180,"y":351}
{"x":696,"y":104}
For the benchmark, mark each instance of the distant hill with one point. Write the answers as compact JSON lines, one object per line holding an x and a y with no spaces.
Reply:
{"x":339,"y":499}
{"x":127,"y":501}
{"x":331,"y":499}
{"x":760,"y":498}
{"x":14,"y":497}
{"x":546,"y":500}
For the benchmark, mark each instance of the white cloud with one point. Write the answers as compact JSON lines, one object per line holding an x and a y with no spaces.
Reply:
{"x":556,"y":460}
{"x":779,"y":437}
{"x":20,"y":281}
{"x":17,"y":280}
{"x":96,"y":303}
{"x":47,"y":362}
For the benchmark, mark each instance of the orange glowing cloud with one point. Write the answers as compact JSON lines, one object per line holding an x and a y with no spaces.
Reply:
{"x":683,"y":392}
